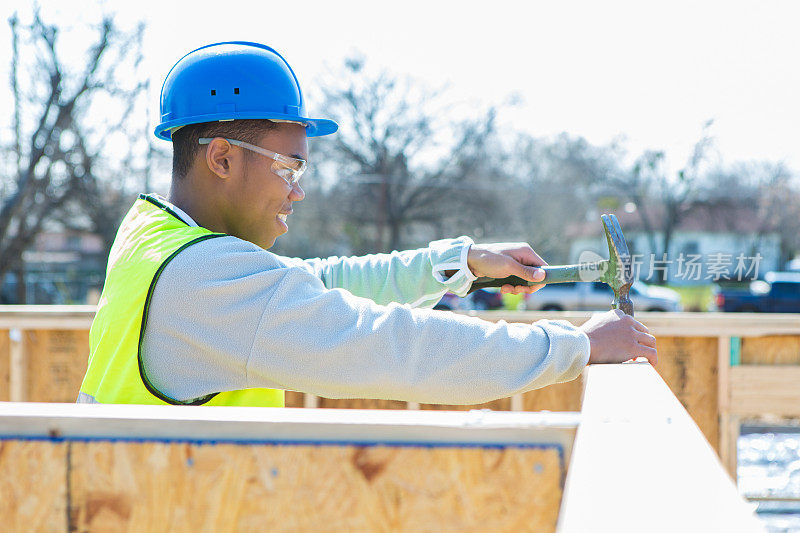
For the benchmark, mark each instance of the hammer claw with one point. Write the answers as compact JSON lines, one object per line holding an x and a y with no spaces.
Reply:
{"x":616,"y":242}
{"x":623,"y":246}
{"x":620,"y":258}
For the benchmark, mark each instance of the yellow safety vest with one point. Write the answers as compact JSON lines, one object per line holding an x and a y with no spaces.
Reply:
{"x":150,"y":236}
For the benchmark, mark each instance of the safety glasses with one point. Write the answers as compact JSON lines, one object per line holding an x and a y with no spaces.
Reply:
{"x":288,"y":168}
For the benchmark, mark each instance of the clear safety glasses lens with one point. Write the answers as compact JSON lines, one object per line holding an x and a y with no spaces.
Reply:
{"x":289,"y":174}
{"x":288,"y":168}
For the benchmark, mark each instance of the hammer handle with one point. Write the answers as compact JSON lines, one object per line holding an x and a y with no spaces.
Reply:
{"x":553,"y":274}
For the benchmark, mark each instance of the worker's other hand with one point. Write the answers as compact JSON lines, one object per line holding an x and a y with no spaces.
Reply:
{"x":507,"y":259}
{"x":616,"y":337}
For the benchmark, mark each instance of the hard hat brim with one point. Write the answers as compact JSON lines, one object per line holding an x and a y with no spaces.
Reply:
{"x":315,"y":127}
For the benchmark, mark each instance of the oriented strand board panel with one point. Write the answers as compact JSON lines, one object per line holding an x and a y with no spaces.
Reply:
{"x":771,"y":350}
{"x":503,"y":404}
{"x":765,"y":390}
{"x":560,"y":397}
{"x":56,"y":364}
{"x":689,"y":366}
{"x":5,"y":366}
{"x":33,"y":490}
{"x":227,"y":487}
{"x":359,"y":404}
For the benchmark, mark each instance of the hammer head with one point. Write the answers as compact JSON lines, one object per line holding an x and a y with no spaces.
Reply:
{"x":620,"y":273}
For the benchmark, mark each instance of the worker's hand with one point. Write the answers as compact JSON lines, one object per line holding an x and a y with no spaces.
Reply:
{"x":616,"y":337}
{"x":507,"y":259}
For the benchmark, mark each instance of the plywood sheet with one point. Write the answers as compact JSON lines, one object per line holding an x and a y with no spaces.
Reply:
{"x":560,"y":397}
{"x":771,"y":350}
{"x":758,"y":390}
{"x":689,"y":367}
{"x":56,"y":363}
{"x":5,"y":366}
{"x":196,"y":488}
{"x":33,"y":490}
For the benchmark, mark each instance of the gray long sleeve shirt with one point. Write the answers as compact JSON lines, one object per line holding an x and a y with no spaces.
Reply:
{"x":227,"y":315}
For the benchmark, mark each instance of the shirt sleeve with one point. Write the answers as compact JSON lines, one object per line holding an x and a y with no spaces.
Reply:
{"x":246,"y":319}
{"x":414,"y":277}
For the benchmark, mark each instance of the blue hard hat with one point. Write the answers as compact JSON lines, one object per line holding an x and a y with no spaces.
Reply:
{"x":234,"y":80}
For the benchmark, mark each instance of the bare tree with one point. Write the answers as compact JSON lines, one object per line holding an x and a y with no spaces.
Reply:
{"x":558,"y":181}
{"x":400,"y":162}
{"x":770,"y":194}
{"x":52,"y":163}
{"x":779,"y":208}
{"x":663,"y":200}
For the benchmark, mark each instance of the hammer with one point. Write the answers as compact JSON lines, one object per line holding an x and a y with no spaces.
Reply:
{"x":615,"y":271}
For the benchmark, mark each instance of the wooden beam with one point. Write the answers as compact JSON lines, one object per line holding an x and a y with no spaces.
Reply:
{"x":733,"y":429}
{"x":18,"y":378}
{"x":641,"y":464}
{"x":723,"y":373}
{"x":765,"y":390}
{"x":47,"y":316}
{"x":517,"y":403}
{"x":310,"y":401}
{"x":728,"y":433}
{"x":247,"y":424}
{"x":5,"y":366}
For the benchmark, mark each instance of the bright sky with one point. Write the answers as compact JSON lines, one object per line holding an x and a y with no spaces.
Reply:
{"x":652,"y":72}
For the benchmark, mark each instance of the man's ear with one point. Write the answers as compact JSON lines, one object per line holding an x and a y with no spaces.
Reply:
{"x":220,"y":158}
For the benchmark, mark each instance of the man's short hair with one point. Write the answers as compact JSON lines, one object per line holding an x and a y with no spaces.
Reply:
{"x":185,"y":141}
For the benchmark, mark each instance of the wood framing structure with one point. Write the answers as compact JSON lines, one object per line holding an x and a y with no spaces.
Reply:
{"x":640,"y":462}
{"x":722,"y":367}
{"x":66,"y":467}
{"x":143,"y":468}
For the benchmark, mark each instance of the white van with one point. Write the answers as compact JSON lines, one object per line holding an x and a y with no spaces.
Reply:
{"x":598,"y":297}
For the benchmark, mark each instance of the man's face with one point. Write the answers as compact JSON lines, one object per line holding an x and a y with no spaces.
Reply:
{"x":261,"y":201}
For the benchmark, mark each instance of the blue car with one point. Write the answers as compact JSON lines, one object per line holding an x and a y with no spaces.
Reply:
{"x":480,"y":300}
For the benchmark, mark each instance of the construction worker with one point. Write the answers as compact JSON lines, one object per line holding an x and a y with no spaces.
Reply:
{"x":196,"y":310}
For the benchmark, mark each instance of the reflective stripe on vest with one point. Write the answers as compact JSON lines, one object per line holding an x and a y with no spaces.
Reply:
{"x":150,"y":236}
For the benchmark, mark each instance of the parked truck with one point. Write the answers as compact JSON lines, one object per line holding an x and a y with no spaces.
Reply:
{"x":779,"y":292}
